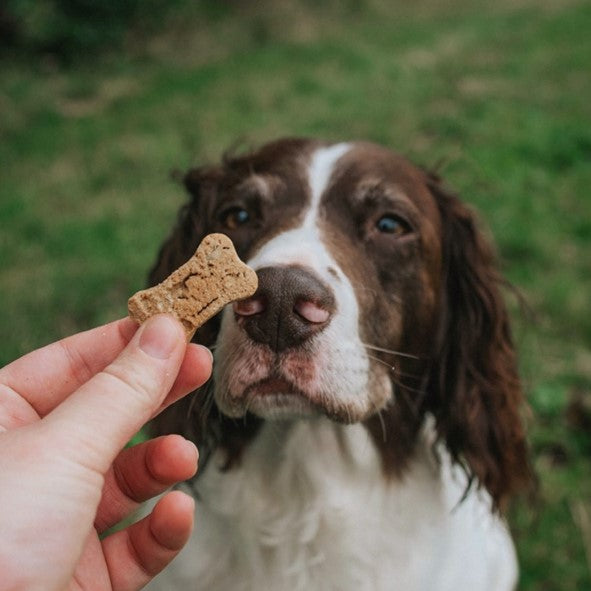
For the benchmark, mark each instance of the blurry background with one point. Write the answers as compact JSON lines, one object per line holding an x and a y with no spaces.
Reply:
{"x":100,"y":101}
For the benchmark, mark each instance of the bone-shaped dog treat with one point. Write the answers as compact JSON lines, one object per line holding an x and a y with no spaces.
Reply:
{"x":213,"y":277}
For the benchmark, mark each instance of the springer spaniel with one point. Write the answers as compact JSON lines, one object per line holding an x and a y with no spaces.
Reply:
{"x":361,"y":430}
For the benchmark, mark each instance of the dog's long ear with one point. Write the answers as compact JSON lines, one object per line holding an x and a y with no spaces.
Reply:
{"x":186,"y":416}
{"x":190,"y":228}
{"x":475,"y":392}
{"x":196,"y":416}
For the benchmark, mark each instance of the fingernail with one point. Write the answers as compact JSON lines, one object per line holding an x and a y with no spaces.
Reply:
{"x":208,"y":351}
{"x":160,"y":335}
{"x":194,"y":450}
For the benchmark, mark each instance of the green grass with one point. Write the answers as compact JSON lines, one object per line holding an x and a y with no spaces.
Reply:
{"x":500,"y":92}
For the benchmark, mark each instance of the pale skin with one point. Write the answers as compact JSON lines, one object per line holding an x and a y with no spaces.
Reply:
{"x":66,"y":412}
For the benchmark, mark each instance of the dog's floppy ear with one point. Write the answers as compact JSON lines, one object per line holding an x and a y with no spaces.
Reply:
{"x":474,"y":388}
{"x":190,"y":228}
{"x":196,"y":416}
{"x":185,"y":416}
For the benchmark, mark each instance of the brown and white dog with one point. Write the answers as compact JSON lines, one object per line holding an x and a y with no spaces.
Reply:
{"x":361,"y":430}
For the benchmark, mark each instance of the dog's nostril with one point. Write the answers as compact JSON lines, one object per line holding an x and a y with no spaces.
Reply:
{"x":311,"y":312}
{"x":249,"y":307}
{"x":290,"y":306}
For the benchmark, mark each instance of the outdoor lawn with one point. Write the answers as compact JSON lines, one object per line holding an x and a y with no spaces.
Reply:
{"x":497,"y":95}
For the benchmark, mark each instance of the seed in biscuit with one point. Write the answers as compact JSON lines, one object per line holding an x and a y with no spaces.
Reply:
{"x":213,"y":277}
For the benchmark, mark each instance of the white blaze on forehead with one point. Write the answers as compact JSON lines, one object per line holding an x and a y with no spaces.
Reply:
{"x":303,"y":244}
{"x":320,"y":172}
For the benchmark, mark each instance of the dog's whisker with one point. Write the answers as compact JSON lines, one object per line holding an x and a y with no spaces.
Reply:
{"x":405,"y":374}
{"x":388,"y":365}
{"x":389,"y":351}
{"x":394,"y":369}
{"x":402,"y":389}
{"x":379,"y":412}
{"x":408,"y":388}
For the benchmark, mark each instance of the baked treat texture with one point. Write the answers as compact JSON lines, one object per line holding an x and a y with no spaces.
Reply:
{"x":213,"y":277}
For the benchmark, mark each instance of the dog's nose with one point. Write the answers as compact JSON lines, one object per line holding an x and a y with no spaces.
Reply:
{"x":290,"y":306}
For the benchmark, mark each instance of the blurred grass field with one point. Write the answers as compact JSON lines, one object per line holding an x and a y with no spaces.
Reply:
{"x":498,"y":93}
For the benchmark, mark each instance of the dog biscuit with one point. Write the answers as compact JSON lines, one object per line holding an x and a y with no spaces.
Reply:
{"x":213,"y":277}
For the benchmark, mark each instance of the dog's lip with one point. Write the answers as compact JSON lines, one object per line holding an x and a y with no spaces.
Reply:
{"x":274,"y":396}
{"x":274,"y":385}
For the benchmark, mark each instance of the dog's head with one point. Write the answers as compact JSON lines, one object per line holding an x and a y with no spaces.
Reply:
{"x":378,"y":302}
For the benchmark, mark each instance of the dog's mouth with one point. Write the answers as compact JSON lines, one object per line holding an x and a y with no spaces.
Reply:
{"x":273,"y":386}
{"x":277,"y":397}
{"x":326,"y":376}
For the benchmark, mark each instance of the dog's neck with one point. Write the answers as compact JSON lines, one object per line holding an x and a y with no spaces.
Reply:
{"x":309,"y":508}
{"x":308,"y":453}
{"x":310,"y":499}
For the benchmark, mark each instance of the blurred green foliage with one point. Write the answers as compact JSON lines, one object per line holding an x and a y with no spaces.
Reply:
{"x":70,"y":29}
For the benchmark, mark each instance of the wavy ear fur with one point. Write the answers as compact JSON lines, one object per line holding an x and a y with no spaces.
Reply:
{"x":474,"y":389}
{"x":196,"y":416}
{"x":191,"y":224}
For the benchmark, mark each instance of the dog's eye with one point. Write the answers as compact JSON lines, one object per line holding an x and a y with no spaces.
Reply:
{"x":235,"y":217}
{"x":392,"y":224}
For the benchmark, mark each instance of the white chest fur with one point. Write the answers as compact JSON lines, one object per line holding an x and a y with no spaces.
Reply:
{"x":309,"y":509}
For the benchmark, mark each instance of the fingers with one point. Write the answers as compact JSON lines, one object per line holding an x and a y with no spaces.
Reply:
{"x":136,"y":554}
{"x":16,"y":411}
{"x":102,"y":415}
{"x":46,"y":376}
{"x":142,"y":472}
{"x":195,"y":371}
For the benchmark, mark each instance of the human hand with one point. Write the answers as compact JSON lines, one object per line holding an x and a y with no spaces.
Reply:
{"x":66,"y":412}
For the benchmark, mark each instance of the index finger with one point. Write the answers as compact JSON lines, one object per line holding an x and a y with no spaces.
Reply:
{"x":45,"y":377}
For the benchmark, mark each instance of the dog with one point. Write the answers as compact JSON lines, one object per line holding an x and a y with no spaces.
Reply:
{"x":362,"y":428}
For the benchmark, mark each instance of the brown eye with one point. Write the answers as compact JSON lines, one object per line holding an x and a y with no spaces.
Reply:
{"x":392,"y":224}
{"x":235,"y":217}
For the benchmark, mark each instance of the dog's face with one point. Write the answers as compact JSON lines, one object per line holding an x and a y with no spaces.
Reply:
{"x":341,"y":237}
{"x":378,"y":302}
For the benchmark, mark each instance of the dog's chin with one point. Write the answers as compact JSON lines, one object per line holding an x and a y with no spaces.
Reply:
{"x":282,"y":407}
{"x":278,"y":399}
{"x":271,"y":399}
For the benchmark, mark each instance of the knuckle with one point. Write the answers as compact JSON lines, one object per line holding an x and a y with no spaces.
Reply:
{"x":79,"y":366}
{"x":139,"y":384}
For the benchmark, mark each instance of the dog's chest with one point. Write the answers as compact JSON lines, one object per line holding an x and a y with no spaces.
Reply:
{"x":310,"y":509}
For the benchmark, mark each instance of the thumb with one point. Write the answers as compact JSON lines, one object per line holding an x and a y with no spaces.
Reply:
{"x":97,"y":420}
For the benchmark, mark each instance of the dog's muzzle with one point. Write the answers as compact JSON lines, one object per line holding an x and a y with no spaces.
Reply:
{"x":289,"y":307}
